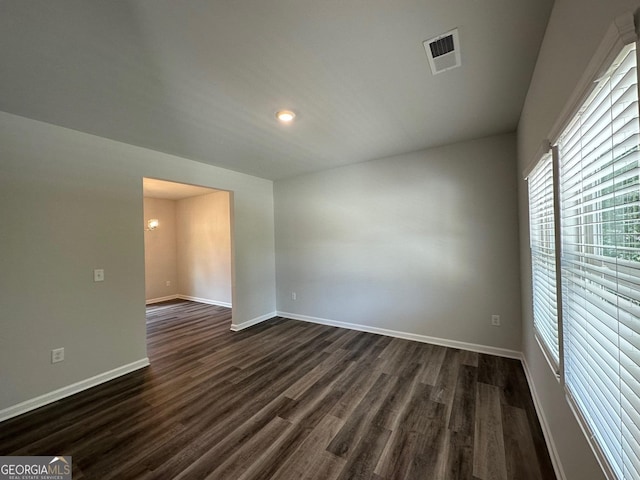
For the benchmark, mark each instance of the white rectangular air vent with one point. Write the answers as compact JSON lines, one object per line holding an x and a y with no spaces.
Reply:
{"x":443,"y":51}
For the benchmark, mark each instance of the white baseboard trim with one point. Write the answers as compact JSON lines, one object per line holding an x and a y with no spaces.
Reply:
{"x":236,"y":327}
{"x":501,"y":352}
{"x":204,"y":300}
{"x":219,"y":303}
{"x":161,"y":299}
{"x":69,"y":390}
{"x":551,"y":446}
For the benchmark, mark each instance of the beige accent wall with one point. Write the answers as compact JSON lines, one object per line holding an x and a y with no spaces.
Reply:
{"x":204,"y":247}
{"x":191,"y":249}
{"x":424,"y":243}
{"x":576,"y":29}
{"x":71,"y":202}
{"x":160,"y":249}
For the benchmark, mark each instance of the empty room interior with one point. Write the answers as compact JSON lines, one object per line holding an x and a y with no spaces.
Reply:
{"x":276,"y":239}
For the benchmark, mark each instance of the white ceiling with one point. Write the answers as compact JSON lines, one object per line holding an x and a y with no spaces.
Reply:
{"x":203,"y":79}
{"x":153,"y":188}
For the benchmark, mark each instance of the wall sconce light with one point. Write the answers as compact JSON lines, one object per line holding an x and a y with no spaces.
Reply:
{"x":152,"y":224}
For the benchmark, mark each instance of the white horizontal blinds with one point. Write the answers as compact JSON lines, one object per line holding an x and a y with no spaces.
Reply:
{"x":600,"y":227}
{"x":543,"y":256}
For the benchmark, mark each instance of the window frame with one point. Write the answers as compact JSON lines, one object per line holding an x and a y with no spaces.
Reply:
{"x":621,"y":33}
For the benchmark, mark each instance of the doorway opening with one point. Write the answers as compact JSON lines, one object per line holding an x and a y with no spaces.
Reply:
{"x":188,"y":243}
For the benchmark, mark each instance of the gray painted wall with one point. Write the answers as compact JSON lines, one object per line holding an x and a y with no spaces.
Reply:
{"x":575,"y":30}
{"x":424,"y":243}
{"x":71,"y":202}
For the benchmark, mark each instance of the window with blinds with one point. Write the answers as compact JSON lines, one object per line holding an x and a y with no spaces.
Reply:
{"x":600,"y":228}
{"x":543,"y":256}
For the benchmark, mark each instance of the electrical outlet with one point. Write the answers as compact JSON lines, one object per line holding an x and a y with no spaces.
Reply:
{"x":168,"y":283}
{"x":57,"y":355}
{"x":293,"y":296}
{"x":495,"y":320}
{"x":98,"y":275}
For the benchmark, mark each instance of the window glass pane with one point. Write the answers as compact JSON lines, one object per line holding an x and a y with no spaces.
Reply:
{"x":543,"y":256}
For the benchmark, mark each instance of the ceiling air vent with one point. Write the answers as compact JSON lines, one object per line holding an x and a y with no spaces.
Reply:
{"x":443,"y":52}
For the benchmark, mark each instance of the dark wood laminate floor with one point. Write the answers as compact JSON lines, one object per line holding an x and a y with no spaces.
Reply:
{"x":292,"y":400}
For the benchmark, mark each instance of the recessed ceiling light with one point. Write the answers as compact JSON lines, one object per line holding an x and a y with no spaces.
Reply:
{"x":285,"y":116}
